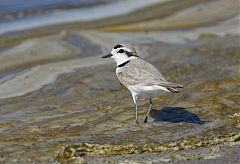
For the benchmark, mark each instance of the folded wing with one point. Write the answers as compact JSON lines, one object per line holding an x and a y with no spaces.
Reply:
{"x":140,"y":72}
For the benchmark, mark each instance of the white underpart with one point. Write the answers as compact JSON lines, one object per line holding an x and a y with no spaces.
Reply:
{"x":141,"y":89}
{"x":120,"y":58}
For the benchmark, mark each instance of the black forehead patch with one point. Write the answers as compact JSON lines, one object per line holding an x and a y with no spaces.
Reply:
{"x":117,"y":46}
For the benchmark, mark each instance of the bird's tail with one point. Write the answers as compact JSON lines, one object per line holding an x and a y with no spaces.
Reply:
{"x":172,"y":87}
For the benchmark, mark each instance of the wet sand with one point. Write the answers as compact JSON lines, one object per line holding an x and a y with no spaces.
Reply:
{"x":60,"y":102}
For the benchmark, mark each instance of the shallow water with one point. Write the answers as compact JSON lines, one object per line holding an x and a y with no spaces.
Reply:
{"x":15,"y":9}
{"x":15,"y":5}
{"x":94,"y":12}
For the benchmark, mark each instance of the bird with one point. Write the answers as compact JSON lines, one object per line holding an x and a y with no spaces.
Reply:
{"x":139,"y":76}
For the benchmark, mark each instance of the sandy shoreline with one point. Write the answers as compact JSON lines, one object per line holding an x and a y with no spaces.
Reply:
{"x":62,"y":113}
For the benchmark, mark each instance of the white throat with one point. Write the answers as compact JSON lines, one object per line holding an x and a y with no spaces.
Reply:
{"x":123,"y":59}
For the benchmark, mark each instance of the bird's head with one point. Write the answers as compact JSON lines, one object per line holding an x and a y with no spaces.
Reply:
{"x":122,"y":53}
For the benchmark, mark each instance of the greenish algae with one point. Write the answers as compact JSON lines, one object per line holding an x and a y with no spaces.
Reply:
{"x":79,"y":151}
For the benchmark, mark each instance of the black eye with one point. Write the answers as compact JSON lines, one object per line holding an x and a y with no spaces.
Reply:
{"x":121,"y":51}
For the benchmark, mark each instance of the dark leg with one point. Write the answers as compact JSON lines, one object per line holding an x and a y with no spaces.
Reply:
{"x":149,"y":110}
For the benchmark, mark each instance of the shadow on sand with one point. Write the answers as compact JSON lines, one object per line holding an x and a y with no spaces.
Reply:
{"x":176,"y":115}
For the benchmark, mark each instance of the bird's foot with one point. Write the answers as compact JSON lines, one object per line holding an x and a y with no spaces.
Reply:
{"x":145,"y":121}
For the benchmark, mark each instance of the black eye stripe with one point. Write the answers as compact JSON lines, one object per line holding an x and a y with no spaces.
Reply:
{"x":121,"y":51}
{"x":117,"y":46}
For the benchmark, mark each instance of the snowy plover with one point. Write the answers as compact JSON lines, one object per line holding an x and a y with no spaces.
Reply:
{"x":139,"y":76}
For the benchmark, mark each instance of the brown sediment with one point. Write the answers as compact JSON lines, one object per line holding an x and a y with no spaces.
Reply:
{"x":79,"y":151}
{"x":12,"y":39}
{"x":86,"y":114}
{"x":49,"y":48}
{"x":200,"y":16}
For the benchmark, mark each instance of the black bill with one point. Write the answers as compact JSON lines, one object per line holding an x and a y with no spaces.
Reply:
{"x":107,"y":56}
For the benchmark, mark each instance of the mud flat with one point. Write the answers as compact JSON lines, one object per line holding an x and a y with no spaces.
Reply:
{"x":61,"y":103}
{"x":86,"y":115}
